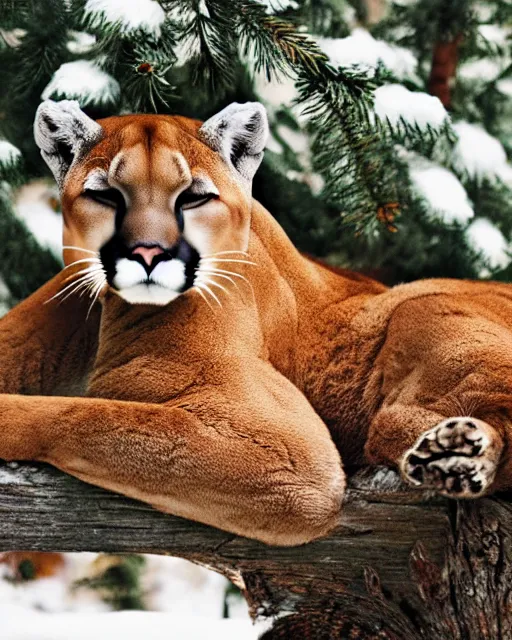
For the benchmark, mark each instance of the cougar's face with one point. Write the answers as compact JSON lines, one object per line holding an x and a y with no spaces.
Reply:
{"x":151,"y":203}
{"x":153,"y":200}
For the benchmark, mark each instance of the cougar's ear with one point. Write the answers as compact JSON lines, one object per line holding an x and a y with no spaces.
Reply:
{"x":238,"y":133}
{"x":64,"y":133}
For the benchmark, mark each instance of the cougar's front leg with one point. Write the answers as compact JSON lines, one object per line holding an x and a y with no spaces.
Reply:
{"x":48,"y":344}
{"x":456,"y":455}
{"x":248,"y":471}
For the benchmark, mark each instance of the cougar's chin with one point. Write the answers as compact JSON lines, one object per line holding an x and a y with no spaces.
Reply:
{"x":148,"y":294}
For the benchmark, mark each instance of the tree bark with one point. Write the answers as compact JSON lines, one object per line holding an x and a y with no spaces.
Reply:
{"x":403,"y":564}
{"x":444,"y":68}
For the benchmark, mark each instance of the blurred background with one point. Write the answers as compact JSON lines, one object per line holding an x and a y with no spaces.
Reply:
{"x":391,"y":133}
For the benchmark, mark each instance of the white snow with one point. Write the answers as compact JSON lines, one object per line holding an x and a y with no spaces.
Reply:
{"x":53,"y":594}
{"x":481,"y":70}
{"x":146,"y":15}
{"x":494,"y":34}
{"x":486,"y":238}
{"x":273,"y":145}
{"x":4,"y":291}
{"x":13,"y":37}
{"x":360,"y":49}
{"x":32,"y":205}
{"x":296,"y":140}
{"x":505,"y":86}
{"x":9,"y":154}
{"x":8,"y":478}
{"x":188,"y":598}
{"x":276,"y":92}
{"x":20,"y":624}
{"x":480,"y":154}
{"x":278,"y":5}
{"x":394,"y":101}
{"x":483,"y":10}
{"x":444,"y":194}
{"x":314,"y":180}
{"x":176,"y":586}
{"x":80,"y":42}
{"x":84,"y":81}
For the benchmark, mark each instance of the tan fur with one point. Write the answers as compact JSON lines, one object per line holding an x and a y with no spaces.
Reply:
{"x":237,"y":416}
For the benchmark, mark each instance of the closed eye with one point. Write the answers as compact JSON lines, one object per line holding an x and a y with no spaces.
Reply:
{"x":108,"y":197}
{"x":188,"y":200}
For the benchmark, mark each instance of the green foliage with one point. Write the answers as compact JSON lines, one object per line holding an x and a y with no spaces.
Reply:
{"x":420,"y":25}
{"x":231,"y":593}
{"x":27,"y":66}
{"x":423,"y":247}
{"x":208,"y":53}
{"x":313,"y":224}
{"x":26,"y":570}
{"x":220,"y":34}
{"x":323,"y":17}
{"x":25,"y":265}
{"x":120,"y":584}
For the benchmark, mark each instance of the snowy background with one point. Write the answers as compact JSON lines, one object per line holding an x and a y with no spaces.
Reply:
{"x":182,"y":601}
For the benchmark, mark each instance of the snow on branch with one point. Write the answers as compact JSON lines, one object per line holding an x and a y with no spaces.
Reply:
{"x":9,"y":154}
{"x":479,"y":154}
{"x":130,"y":15}
{"x":84,"y":81}
{"x":361,"y":49}
{"x":395,"y":103}
{"x":441,"y":190}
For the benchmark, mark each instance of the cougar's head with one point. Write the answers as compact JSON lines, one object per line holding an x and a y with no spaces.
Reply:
{"x":148,"y":199}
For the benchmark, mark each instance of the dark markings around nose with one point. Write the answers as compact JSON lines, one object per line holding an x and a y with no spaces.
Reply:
{"x":180,"y":219}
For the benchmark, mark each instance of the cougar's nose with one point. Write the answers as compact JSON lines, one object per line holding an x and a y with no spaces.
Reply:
{"x":148,"y":253}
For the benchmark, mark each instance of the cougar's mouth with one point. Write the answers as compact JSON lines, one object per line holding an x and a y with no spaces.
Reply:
{"x":149,"y":273}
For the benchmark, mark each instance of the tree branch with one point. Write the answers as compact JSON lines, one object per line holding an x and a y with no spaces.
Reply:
{"x":404,"y":563}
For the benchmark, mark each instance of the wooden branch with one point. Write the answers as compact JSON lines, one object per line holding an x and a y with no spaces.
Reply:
{"x":402,"y":565}
{"x":444,"y":68}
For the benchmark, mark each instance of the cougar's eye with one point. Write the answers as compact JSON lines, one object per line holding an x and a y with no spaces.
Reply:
{"x":108,"y":197}
{"x":187,"y":200}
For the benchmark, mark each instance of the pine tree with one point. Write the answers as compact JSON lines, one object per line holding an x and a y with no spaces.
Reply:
{"x":389,"y":141}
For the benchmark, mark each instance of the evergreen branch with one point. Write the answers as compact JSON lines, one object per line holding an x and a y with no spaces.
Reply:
{"x":209,"y":33}
{"x":355,"y":158}
{"x":323,"y":17}
{"x":146,"y":89}
{"x":276,"y":43}
{"x":12,"y":171}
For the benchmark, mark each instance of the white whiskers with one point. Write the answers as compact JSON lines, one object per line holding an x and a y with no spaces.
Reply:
{"x":207,"y":270}
{"x":90,"y":280}
{"x":95,"y":260}
{"x":227,"y":260}
{"x":198,"y":289}
{"x":70,"y":248}
{"x":202,"y":285}
{"x":95,"y":292}
{"x":223,"y":253}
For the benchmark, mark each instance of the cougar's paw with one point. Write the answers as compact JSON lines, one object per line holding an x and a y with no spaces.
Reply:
{"x":458,"y":458}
